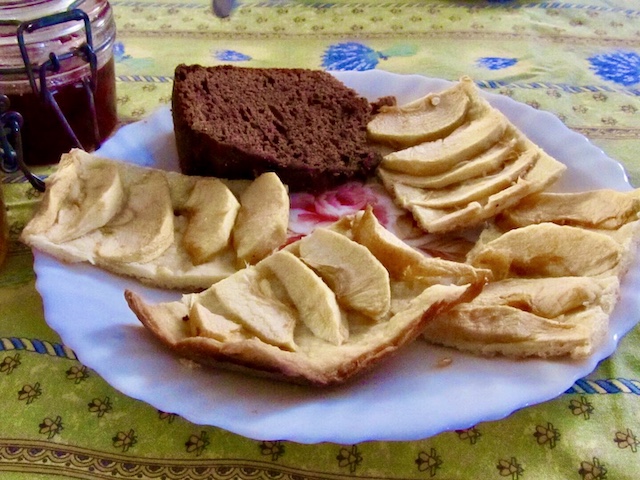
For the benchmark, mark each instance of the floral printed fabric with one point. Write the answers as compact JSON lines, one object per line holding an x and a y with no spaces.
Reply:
{"x":578,"y":60}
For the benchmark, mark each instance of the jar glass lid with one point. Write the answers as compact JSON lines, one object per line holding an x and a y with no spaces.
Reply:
{"x":63,"y":34}
{"x":23,"y":10}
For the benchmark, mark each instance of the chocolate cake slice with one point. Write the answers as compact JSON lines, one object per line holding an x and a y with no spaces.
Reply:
{"x":305,"y":125}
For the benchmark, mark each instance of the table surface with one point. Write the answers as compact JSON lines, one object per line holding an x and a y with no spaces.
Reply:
{"x":578,"y":60}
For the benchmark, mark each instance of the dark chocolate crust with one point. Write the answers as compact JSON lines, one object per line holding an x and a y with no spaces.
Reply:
{"x":305,"y":125}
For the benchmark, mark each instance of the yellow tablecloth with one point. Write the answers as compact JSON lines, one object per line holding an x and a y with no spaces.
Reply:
{"x":579,"y":60}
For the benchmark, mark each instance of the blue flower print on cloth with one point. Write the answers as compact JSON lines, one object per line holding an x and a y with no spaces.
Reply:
{"x":360,"y":57}
{"x":350,"y":56}
{"x":118,"y":52}
{"x":231,"y":56}
{"x":123,"y":58}
{"x":622,"y":67}
{"x":496,"y":63}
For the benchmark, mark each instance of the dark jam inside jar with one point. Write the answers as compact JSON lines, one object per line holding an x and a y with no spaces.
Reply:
{"x":44,"y":137}
{"x":56,"y":42}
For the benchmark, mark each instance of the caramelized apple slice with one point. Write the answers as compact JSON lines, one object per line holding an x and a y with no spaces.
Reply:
{"x":428,"y":118}
{"x":211,"y":210}
{"x":315,"y":302}
{"x":359,"y":280}
{"x":263,"y":218}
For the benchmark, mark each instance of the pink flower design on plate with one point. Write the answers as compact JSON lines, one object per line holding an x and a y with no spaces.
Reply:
{"x":309,"y":211}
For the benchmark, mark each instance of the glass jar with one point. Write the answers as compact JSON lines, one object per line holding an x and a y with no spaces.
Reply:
{"x":57,"y":70}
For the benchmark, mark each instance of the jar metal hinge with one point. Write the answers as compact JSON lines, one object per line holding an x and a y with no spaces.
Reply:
{"x":11,"y":159}
{"x":85,"y":51}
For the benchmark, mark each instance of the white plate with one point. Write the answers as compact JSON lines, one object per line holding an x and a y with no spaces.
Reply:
{"x":407,"y":398}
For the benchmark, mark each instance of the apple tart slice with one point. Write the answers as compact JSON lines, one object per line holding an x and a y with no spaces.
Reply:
{"x":319,"y":311}
{"x":455,"y":160}
{"x":557,"y":260}
{"x":163,"y":228}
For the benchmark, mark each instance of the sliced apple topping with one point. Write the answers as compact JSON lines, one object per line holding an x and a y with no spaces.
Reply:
{"x":93,"y":195}
{"x":143,"y":229}
{"x":471,"y":190}
{"x":547,"y":250}
{"x":205,"y":323}
{"x":486,"y":163}
{"x":603,"y":208}
{"x":359,"y":280}
{"x":316,"y":303}
{"x":245,"y":298}
{"x":263,"y":218}
{"x":441,"y":155}
{"x":92,"y":200}
{"x":211,"y":210}
{"x":403,"y":261}
{"x":425,"y":119}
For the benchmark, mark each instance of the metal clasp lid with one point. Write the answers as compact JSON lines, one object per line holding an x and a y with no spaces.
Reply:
{"x":85,"y":51}
{"x":11,"y":159}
